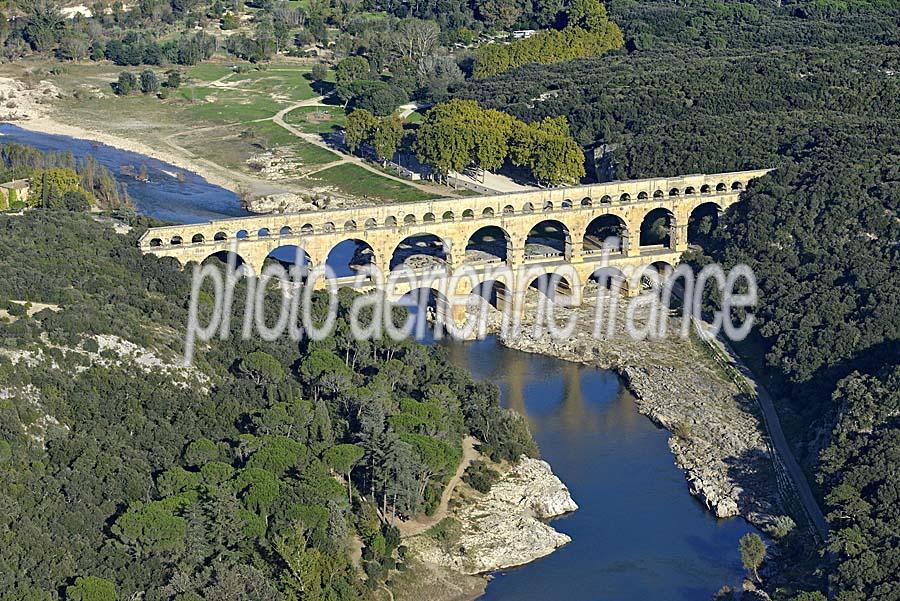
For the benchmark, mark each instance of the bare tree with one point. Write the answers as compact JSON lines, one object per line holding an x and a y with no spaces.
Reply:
{"x":416,"y":39}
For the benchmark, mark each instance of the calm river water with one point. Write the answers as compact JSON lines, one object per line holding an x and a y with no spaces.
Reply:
{"x":638,"y":534}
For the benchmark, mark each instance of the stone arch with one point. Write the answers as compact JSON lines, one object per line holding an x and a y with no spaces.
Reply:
{"x":288,"y":255}
{"x":198,"y":239}
{"x":657,"y":228}
{"x":155,"y":242}
{"x":703,"y":220}
{"x":328,"y":226}
{"x":242,"y":235}
{"x":447,"y":216}
{"x":175,"y":241}
{"x":674,"y":192}
{"x":409,"y":219}
{"x":566,"y":204}
{"x":659,"y":194}
{"x":586,"y":202}
{"x":468,"y":214}
{"x":690,"y":190}
{"x":263,"y":232}
{"x":528,"y":208}
{"x":626,"y":197}
{"x":642,"y":196}
{"x":663,"y":270}
{"x":495,"y":293}
{"x":220,"y":236}
{"x":350,"y":225}
{"x":550,"y":285}
{"x":548,"y":238}
{"x":285,"y":230}
{"x":721,"y":187}
{"x":347,"y":256}
{"x":705,"y":189}
{"x":428,"y":218}
{"x":222,"y":256}
{"x":489,"y":243}
{"x":508,"y":210}
{"x":606,"y":199}
{"x":548,"y":205}
{"x":737,"y":186}
{"x":487,"y":212}
{"x":421,"y":250}
{"x":609,"y":278}
{"x":609,"y":230}
{"x":370,"y":224}
{"x":306,"y":228}
{"x":422,"y":302}
{"x":390,"y":221}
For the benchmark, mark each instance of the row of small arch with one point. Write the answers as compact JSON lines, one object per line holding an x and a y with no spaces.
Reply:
{"x":467,"y":214}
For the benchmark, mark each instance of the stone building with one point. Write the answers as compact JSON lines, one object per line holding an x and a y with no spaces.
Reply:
{"x":14,"y":191}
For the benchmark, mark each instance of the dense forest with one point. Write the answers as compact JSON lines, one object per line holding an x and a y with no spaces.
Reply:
{"x":811,"y":90}
{"x":247,"y":477}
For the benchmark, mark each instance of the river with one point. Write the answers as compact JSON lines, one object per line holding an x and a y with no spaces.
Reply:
{"x":638,"y":534}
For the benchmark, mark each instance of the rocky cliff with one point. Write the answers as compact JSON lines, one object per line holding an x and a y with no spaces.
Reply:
{"x":502,"y":528}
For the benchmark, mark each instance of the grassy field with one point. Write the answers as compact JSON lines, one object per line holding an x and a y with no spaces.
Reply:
{"x":317,"y":119}
{"x":357,"y":181}
{"x":222,"y":113}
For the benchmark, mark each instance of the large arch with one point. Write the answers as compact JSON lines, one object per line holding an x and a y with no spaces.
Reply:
{"x":221,"y":258}
{"x":424,"y":304}
{"x":609,"y":278}
{"x":347,"y":256}
{"x":548,"y":238}
{"x":704,"y":219}
{"x":421,"y":250}
{"x":495,"y":293}
{"x":288,"y":255}
{"x":489,"y":243}
{"x":655,"y":274}
{"x":550,"y":285}
{"x":657,"y":228}
{"x":606,"y":230}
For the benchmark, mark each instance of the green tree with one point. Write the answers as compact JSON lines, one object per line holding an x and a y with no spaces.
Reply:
{"x":91,"y":588}
{"x":753,"y":552}
{"x":126,"y":83}
{"x":348,"y":71}
{"x":387,"y":137}
{"x":342,"y":458}
{"x":359,"y":129}
{"x":262,"y":368}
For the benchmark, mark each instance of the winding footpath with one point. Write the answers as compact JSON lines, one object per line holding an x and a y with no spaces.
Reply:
{"x":422,"y":523}
{"x":317,"y":140}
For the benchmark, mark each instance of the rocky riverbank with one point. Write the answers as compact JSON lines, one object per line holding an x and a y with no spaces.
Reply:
{"x":717,"y":437}
{"x":501,"y":528}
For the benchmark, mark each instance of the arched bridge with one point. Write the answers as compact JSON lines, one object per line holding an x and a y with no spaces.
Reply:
{"x":650,"y":221}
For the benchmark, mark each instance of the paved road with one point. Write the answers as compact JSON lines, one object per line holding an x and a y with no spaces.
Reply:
{"x":782,"y":448}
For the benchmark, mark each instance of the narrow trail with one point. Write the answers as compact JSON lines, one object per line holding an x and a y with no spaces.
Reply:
{"x":316,"y":139}
{"x":420,"y":524}
{"x":783,"y":449}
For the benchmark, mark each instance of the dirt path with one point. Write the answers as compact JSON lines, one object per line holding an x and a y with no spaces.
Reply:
{"x":423,"y":523}
{"x":316,"y":139}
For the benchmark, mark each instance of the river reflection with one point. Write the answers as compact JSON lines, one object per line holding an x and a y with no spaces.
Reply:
{"x":638,"y":533}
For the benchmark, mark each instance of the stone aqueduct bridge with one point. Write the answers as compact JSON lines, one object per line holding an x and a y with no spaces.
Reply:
{"x":572,"y":212}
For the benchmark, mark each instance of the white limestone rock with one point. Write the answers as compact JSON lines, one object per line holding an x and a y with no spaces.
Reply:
{"x":502,"y":529}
